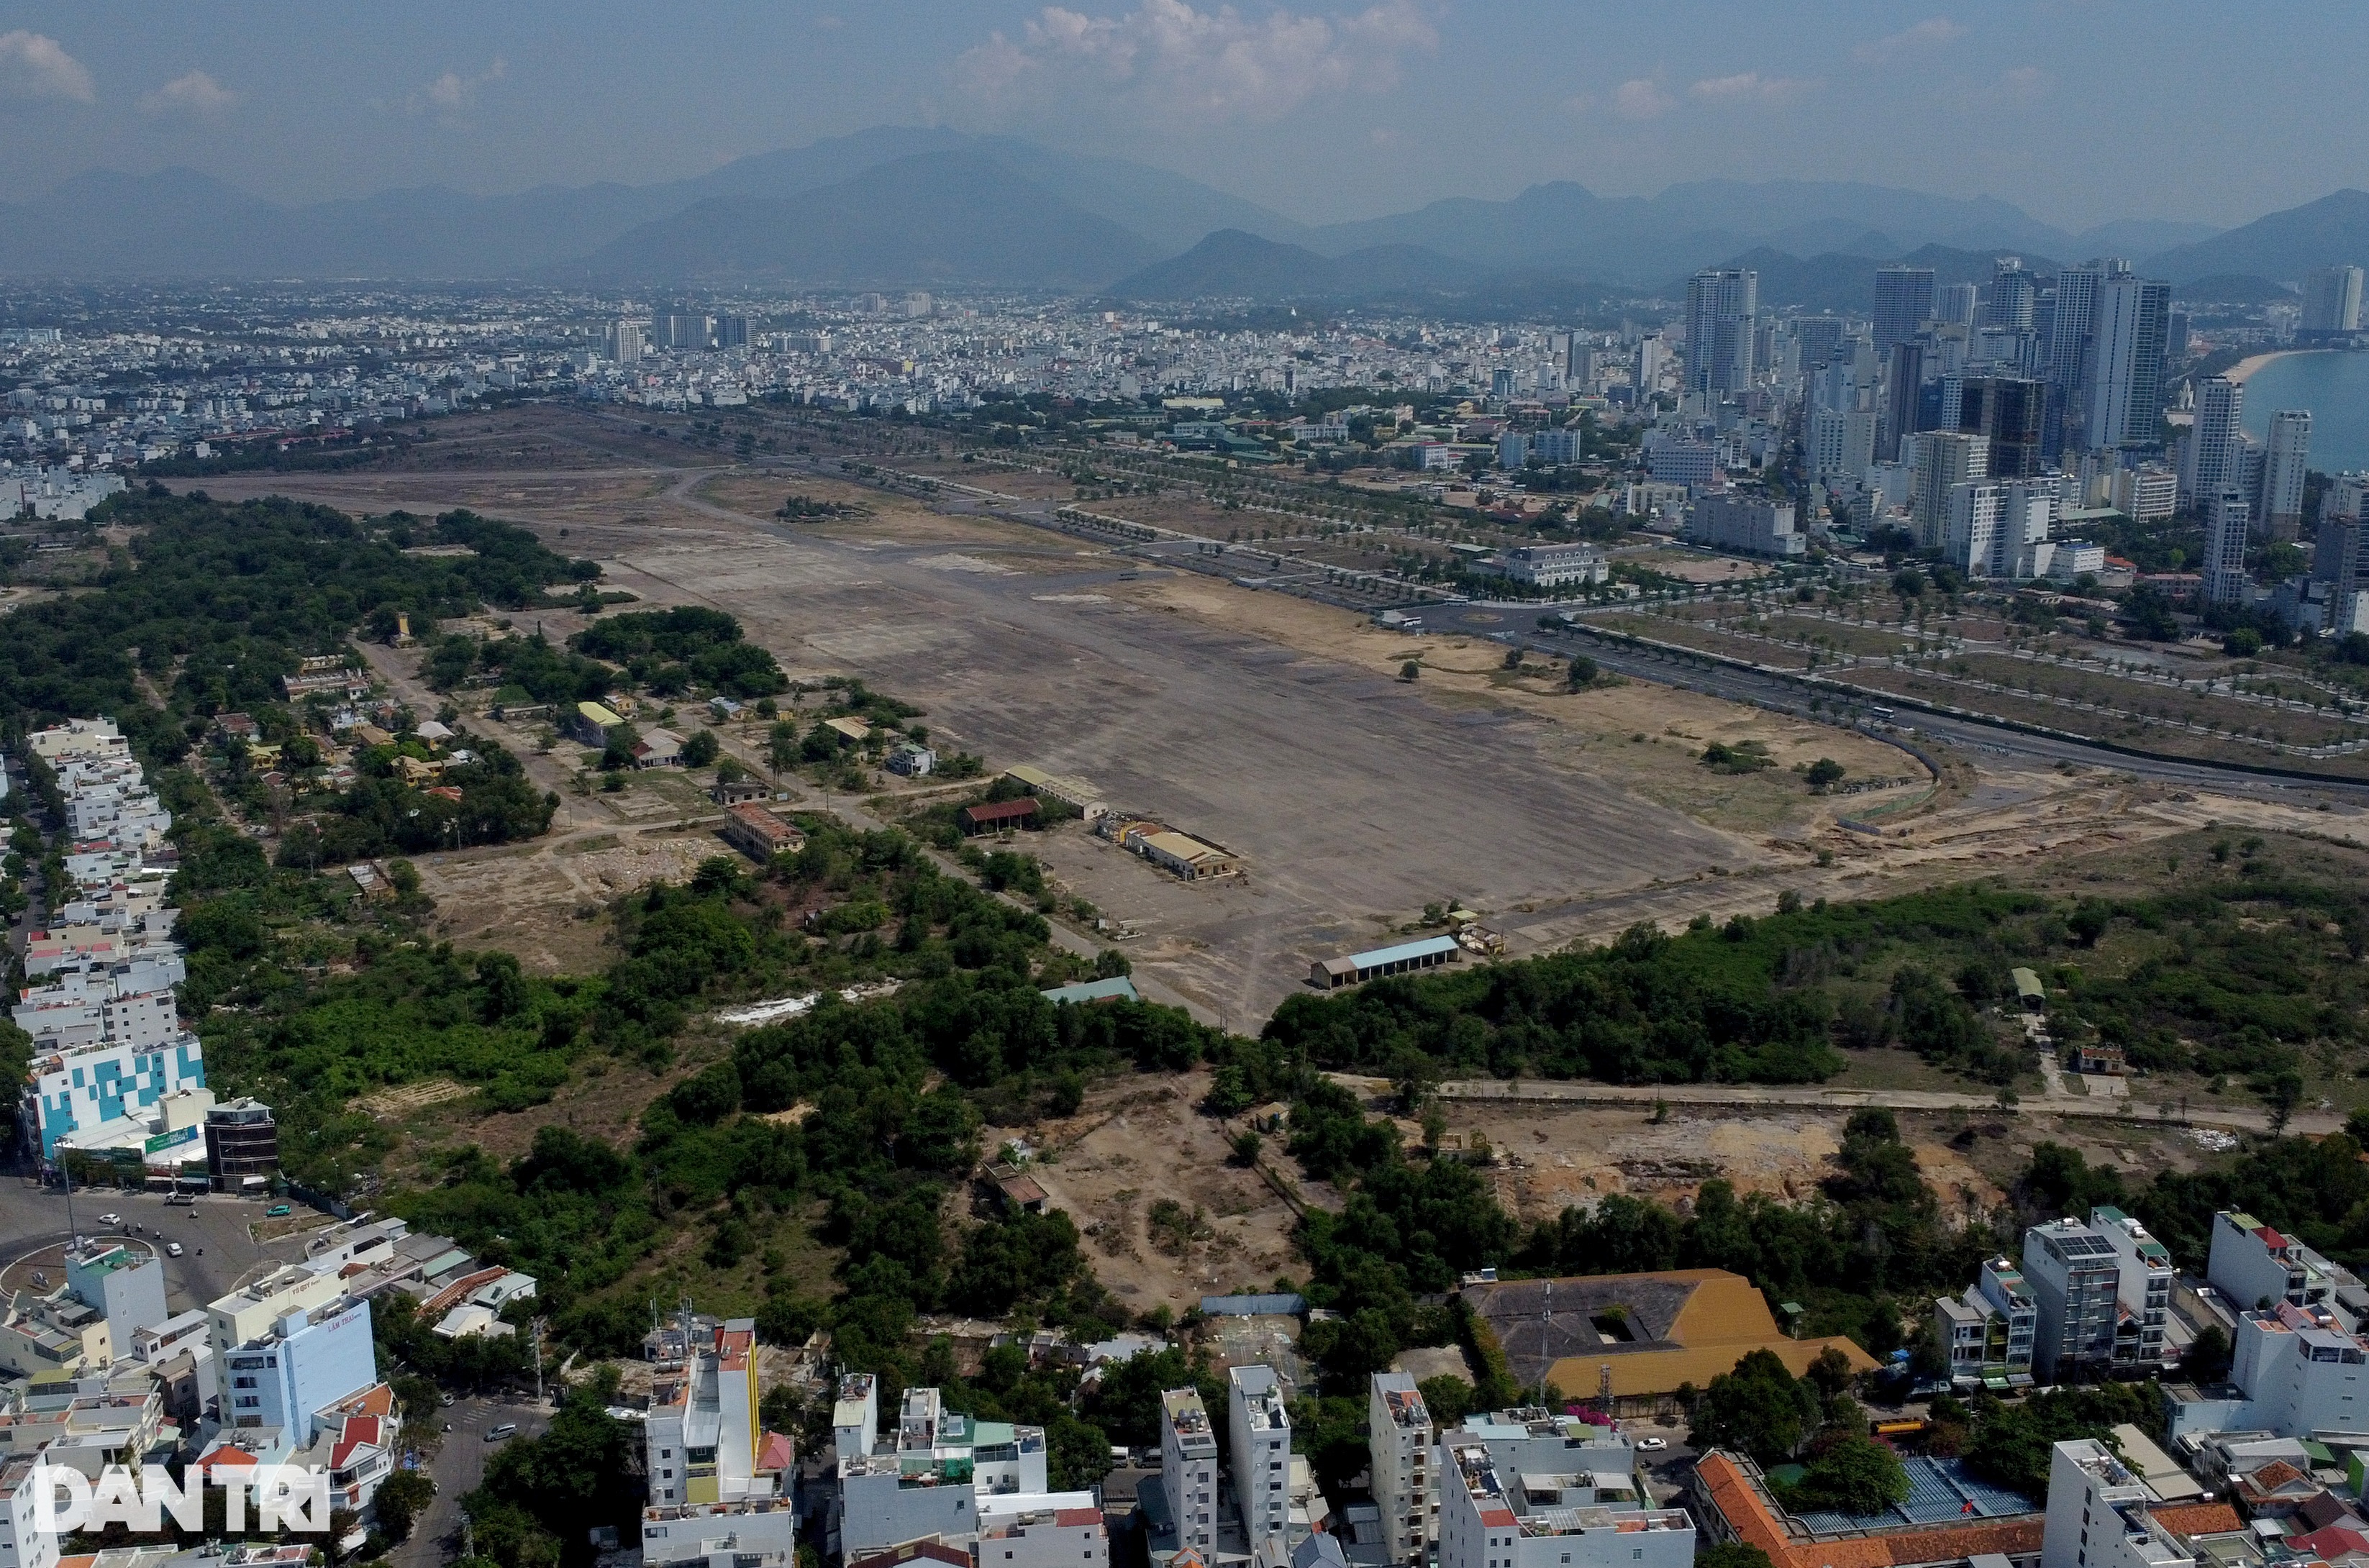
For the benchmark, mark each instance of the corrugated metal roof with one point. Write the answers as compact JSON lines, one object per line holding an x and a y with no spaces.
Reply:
{"x":1094,"y":990}
{"x":1403,"y":951}
{"x":1279,"y":1305}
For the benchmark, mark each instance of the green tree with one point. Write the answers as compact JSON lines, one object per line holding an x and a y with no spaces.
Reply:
{"x":1824,"y":775}
{"x":701,"y":749}
{"x":1850,"y":1474}
{"x":401,"y":1497}
{"x":1760,"y":1408}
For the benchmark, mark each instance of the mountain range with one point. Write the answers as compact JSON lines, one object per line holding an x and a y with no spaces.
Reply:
{"x":912,"y":206}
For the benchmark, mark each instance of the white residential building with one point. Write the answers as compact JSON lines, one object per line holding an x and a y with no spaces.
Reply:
{"x":1404,"y":1480}
{"x":1188,"y":1470}
{"x":2144,"y":1289}
{"x":714,"y":1474}
{"x":1260,"y":1431}
{"x":942,"y":1474}
{"x":2286,"y":459}
{"x":1044,"y":1538}
{"x":2227,"y":522}
{"x":1502,"y":1518}
{"x":2098,"y":1514}
{"x":1999,"y":529}
{"x":1755,"y":525}
{"x":1987,"y":1332}
{"x":22,"y":1543}
{"x":2208,"y":459}
{"x":2253,"y":1265}
{"x":1943,"y":460}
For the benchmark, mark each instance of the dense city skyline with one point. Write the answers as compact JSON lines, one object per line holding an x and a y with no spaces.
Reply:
{"x":1324,"y":112}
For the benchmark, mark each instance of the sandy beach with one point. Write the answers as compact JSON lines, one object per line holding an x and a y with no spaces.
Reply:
{"x":2247,"y":367}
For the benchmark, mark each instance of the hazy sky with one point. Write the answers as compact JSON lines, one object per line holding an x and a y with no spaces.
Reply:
{"x":2079,"y":111}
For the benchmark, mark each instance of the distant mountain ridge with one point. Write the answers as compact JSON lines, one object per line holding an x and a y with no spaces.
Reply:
{"x":928,"y":205}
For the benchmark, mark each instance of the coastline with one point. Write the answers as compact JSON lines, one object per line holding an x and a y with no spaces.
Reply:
{"x":2245,"y":367}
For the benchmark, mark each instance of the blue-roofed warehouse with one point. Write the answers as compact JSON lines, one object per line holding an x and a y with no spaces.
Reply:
{"x":1331,"y":974}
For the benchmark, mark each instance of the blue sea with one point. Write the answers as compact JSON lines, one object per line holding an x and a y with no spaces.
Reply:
{"x":2334,"y":386}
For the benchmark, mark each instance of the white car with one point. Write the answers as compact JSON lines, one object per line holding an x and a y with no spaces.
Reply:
{"x":172,"y":1249}
{"x":110,"y":1219}
{"x":1651,"y":1445}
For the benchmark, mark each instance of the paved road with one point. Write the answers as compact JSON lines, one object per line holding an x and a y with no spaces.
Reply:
{"x":218,"y":1253}
{"x":1766,"y":689}
{"x":456,"y":1467}
{"x":1746,"y":1097}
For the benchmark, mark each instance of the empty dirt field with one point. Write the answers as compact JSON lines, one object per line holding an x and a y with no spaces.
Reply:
{"x":1273,"y":727}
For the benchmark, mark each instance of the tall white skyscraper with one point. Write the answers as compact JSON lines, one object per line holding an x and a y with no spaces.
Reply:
{"x":2228,"y":520}
{"x":1721,"y":308}
{"x":1945,"y":459}
{"x":1904,"y":298}
{"x":2008,"y":304}
{"x":2288,"y":454}
{"x":2209,"y":462}
{"x":626,"y":342}
{"x":2122,"y":402}
{"x":2331,"y":300}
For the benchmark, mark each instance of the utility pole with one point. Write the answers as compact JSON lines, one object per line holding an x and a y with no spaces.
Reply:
{"x":535,"y":1328}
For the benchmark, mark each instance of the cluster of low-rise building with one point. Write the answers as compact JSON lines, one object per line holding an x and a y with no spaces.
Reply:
{"x":115,"y":1076}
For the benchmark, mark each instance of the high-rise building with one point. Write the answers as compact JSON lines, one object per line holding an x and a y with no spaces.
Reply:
{"x":2228,"y":520}
{"x":1188,"y":1470}
{"x":626,"y":341}
{"x":1953,"y":304}
{"x":1720,"y":306}
{"x":1904,"y":300}
{"x":2331,"y":300}
{"x":685,"y":331}
{"x":732,"y":332}
{"x":2286,"y":457}
{"x":1944,"y":459}
{"x":2336,"y":551}
{"x":2012,"y":412}
{"x":2208,"y":463}
{"x":2070,"y":320}
{"x":1260,"y":1434}
{"x":2122,"y":401}
{"x":2008,"y":305}
{"x":1904,"y":383}
{"x":1404,"y":1489}
{"x":1994,"y":525}
{"x":2076,"y":1279}
{"x":2174,"y":341}
{"x":2144,"y":1290}
{"x":1820,"y":337}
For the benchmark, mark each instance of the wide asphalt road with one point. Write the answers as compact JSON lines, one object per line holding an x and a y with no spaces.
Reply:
{"x":1793,"y":697}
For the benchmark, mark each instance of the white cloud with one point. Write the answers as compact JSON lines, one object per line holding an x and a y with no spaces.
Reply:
{"x":35,"y":65}
{"x":1180,"y":64}
{"x":448,"y":95}
{"x":196,"y":93}
{"x":1642,"y":97}
{"x":2023,"y":82}
{"x":1750,"y":87}
{"x":1909,"y":43}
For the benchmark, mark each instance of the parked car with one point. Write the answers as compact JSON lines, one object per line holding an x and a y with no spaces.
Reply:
{"x":172,"y":1249}
{"x":278,"y":1211}
{"x":1651,"y":1445}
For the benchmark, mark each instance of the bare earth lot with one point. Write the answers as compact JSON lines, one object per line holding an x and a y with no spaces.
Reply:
{"x":1269,"y":725}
